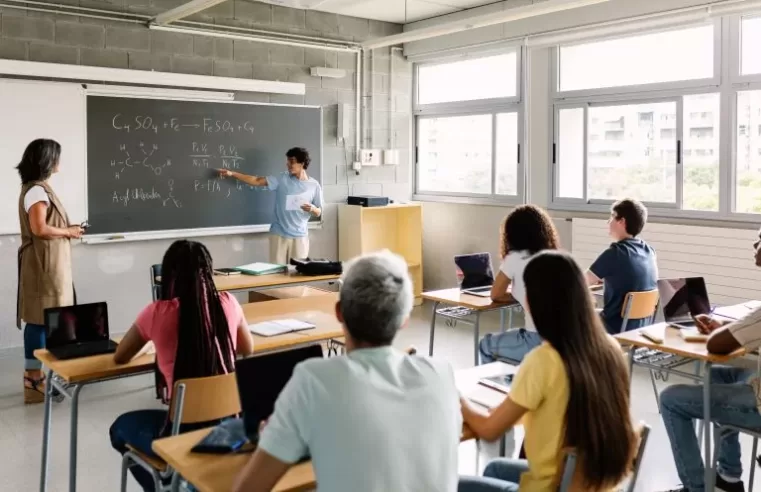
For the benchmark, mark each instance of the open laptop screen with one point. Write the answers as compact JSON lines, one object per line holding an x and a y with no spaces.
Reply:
{"x":474,"y":270}
{"x":262,"y":378}
{"x":683,"y":298}
{"x":76,"y":324}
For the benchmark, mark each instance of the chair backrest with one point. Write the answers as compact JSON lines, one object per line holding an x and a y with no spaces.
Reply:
{"x":156,"y":282}
{"x":204,"y":399}
{"x":639,"y":305}
{"x":571,"y":481}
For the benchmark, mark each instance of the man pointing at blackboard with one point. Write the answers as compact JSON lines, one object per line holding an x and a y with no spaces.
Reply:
{"x":297,"y":199}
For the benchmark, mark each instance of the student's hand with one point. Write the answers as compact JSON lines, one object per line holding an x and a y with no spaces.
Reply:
{"x":75,"y":232}
{"x":225,"y":173}
{"x":706,"y":323}
{"x":307,"y":207}
{"x":262,"y":425}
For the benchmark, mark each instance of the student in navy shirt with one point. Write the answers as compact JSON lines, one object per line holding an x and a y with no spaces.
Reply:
{"x":628,"y":265}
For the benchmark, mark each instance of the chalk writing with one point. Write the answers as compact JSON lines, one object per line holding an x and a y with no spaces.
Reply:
{"x":147,"y":123}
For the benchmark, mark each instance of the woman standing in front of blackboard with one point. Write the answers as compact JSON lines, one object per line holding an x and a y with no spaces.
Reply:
{"x":44,"y":257}
{"x":297,"y":199}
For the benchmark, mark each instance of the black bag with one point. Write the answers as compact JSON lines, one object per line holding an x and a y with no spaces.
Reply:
{"x":317,"y":267}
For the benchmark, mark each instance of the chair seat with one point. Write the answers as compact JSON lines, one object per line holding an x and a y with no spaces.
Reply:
{"x":156,"y":463}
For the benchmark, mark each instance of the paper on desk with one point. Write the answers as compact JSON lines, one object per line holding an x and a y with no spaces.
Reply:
{"x":278,"y":327}
{"x":294,"y":202}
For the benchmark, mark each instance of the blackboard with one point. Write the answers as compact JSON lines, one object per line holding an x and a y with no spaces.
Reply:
{"x":151,"y":162}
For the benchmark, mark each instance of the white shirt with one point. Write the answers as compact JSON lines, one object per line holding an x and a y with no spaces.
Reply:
{"x":512,"y":266}
{"x":375,"y":420}
{"x":35,"y":194}
{"x":747,"y":331}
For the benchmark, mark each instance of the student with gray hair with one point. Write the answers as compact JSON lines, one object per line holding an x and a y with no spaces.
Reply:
{"x":374,"y":420}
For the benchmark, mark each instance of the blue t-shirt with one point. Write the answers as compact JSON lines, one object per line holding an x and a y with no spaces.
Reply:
{"x":626,"y":266}
{"x":290,"y":193}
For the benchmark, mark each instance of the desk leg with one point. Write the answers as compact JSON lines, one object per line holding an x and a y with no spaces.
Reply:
{"x":503,"y":446}
{"x":709,"y":484}
{"x":73,"y":437}
{"x":502,"y":320}
{"x":46,"y":432}
{"x":476,"y":337}
{"x":433,"y":327}
{"x":510,"y":319}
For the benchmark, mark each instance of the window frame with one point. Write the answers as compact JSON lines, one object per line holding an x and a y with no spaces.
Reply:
{"x":493,"y":107}
{"x":728,"y":82}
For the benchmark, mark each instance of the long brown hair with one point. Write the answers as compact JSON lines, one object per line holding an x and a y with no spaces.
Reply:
{"x":597,"y":421}
{"x":528,"y":228}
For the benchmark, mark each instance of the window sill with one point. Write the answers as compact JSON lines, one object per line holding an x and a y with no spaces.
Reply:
{"x":469,"y":200}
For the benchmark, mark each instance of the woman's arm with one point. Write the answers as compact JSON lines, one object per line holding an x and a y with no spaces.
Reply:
{"x":245,"y":340}
{"x":493,"y":424}
{"x":245,"y":178}
{"x":499,"y":291}
{"x":40,"y":228}
{"x":130,"y":345}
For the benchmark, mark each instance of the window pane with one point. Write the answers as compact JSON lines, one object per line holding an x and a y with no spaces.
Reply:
{"x":468,"y":80}
{"x":700,"y":152}
{"x":751,"y":40}
{"x":748,"y":192}
{"x":570,"y":153}
{"x":631,"y":151}
{"x":454,"y":154}
{"x":507,"y":154}
{"x":686,"y":54}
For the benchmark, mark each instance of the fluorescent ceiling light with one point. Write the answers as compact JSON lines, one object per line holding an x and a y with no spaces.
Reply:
{"x":254,"y":38}
{"x":143,"y":77}
{"x":185,"y":10}
{"x":483,"y":20}
{"x":296,"y":4}
{"x":152,"y":92}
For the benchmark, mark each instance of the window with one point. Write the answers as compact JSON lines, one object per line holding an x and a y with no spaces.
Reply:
{"x":679,"y":55}
{"x":750,"y":60}
{"x":492,"y":77}
{"x":468,"y":129}
{"x":700,"y":154}
{"x":748,"y":154}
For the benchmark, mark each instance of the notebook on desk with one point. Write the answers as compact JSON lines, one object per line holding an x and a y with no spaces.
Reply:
{"x":279,"y":327}
{"x":259,"y":268}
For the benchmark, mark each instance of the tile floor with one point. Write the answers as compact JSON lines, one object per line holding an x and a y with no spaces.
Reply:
{"x":20,"y":426}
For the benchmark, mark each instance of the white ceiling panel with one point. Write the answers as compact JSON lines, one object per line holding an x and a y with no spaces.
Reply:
{"x":397,"y":11}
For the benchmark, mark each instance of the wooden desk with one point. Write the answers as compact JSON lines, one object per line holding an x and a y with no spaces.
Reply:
{"x":216,"y":473}
{"x":256,"y":282}
{"x":475,"y":306}
{"x":674,"y":344}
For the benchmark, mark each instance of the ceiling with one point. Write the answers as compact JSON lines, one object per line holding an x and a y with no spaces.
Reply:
{"x":397,"y":11}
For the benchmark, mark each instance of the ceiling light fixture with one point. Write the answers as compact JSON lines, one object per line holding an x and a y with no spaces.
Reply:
{"x":476,"y":21}
{"x":184,"y":10}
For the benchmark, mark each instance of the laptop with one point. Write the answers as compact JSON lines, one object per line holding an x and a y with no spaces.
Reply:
{"x":682,"y":299}
{"x":476,"y":273}
{"x":78,"y":331}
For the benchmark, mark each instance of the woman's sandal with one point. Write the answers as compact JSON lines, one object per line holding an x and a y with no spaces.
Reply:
{"x":34,"y":390}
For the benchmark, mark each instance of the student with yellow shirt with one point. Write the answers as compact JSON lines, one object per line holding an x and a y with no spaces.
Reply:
{"x":571,"y":392}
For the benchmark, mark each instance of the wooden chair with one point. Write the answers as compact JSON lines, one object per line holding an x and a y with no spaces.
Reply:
{"x":570,"y":480}
{"x":156,"y":282}
{"x":637,"y":306}
{"x":194,"y":401}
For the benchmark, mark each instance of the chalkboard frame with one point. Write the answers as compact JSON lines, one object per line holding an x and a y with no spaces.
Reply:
{"x":199,"y":232}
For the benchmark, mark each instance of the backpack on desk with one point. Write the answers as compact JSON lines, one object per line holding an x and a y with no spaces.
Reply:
{"x":311,"y":267}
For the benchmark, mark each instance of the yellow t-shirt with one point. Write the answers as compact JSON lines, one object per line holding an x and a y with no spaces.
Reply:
{"x":541,"y":386}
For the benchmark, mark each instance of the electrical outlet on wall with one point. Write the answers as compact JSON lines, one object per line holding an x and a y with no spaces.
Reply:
{"x":390,"y":157}
{"x":370,"y":157}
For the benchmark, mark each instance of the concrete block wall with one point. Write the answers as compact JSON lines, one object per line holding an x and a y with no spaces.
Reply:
{"x":118,"y":273}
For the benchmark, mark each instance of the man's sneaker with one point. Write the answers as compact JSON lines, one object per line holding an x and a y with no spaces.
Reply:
{"x":724,"y":486}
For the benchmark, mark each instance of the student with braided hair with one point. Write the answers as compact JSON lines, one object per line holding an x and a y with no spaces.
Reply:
{"x":196,"y":331}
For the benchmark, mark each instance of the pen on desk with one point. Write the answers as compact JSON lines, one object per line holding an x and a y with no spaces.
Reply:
{"x":114,"y":238}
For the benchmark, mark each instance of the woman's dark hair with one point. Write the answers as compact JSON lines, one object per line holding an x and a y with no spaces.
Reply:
{"x":204,"y":345}
{"x":300,"y":154}
{"x":597,"y":420}
{"x":39,"y":160}
{"x":528,"y":228}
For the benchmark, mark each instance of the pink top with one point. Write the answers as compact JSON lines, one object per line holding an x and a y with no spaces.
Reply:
{"x":158,"y":323}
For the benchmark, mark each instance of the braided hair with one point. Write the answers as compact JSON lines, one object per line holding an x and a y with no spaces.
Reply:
{"x":204,"y":344}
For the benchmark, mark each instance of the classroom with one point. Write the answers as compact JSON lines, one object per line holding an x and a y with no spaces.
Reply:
{"x":509,"y":184}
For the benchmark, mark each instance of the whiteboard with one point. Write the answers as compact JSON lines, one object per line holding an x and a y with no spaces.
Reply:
{"x":30,"y":110}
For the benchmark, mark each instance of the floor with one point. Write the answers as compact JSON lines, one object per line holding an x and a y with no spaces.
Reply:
{"x":20,"y":425}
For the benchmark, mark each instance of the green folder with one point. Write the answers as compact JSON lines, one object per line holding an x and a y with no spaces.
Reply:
{"x":261,"y":268}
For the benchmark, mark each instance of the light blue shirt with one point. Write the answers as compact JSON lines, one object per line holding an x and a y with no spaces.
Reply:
{"x":290,"y":193}
{"x":375,"y":420}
